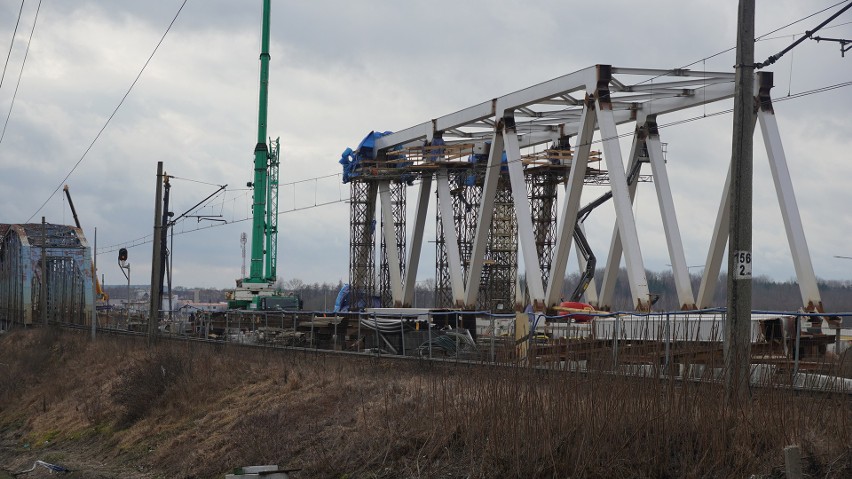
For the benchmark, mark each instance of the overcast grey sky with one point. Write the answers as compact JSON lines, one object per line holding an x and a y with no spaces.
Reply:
{"x":341,"y":69}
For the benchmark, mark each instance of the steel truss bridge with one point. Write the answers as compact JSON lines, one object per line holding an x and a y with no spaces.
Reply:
{"x":61,"y":291}
{"x":498,"y":168}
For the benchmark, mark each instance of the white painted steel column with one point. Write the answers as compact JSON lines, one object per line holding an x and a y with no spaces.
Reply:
{"x":789,"y":208}
{"x":623,"y":206}
{"x":486,"y":213}
{"x":568,"y":218}
{"x":718,"y":243}
{"x":416,"y":244}
{"x":451,"y":242}
{"x":390,"y":243}
{"x":674,"y":242}
{"x":526,"y":237}
{"x":613,"y":259}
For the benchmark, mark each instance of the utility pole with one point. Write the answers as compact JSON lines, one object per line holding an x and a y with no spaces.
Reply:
{"x":43,"y":296}
{"x":163,"y":238}
{"x":737,"y":346}
{"x":94,"y":285}
{"x":156,"y":259}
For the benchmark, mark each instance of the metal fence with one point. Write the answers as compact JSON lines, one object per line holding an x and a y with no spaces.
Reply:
{"x":676,"y":344}
{"x":660,"y":339}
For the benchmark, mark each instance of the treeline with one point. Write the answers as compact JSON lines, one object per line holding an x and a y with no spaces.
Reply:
{"x":767,"y":294}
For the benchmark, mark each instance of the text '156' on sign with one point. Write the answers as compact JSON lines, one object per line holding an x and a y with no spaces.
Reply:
{"x":742,"y":265}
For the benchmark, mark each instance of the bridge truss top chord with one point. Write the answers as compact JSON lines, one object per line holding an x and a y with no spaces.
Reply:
{"x":547,"y":130}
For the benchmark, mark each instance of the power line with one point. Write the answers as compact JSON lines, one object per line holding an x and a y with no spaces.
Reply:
{"x":15,"y":32}
{"x":113,"y":112}
{"x":142,"y":240}
{"x":148,"y":238}
{"x":759,"y":38}
{"x":21,"y":74}
{"x":773,"y":58}
{"x":801,"y":19}
{"x":193,"y":181}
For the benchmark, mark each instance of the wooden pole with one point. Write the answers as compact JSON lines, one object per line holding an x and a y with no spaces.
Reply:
{"x":156,"y":260}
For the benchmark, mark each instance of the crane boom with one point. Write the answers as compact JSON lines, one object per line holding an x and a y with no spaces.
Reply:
{"x":261,"y":165}
{"x":257,"y":291}
{"x":101,"y":293}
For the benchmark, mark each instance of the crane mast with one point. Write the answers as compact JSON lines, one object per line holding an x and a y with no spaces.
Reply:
{"x":260,"y":231}
{"x":257,"y":291}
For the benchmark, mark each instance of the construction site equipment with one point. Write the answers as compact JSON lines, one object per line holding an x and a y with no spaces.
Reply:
{"x":103,"y":296}
{"x":264,"y":233}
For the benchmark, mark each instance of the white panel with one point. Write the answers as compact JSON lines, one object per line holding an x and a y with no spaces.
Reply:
{"x":613,"y":259}
{"x":656,"y":72}
{"x":389,"y":230}
{"x":526,"y":236}
{"x":789,"y":208}
{"x":483,"y":226}
{"x":416,"y":243}
{"x":670,"y":226}
{"x":623,"y":207}
{"x":718,"y":242}
{"x":445,"y":203}
{"x":568,"y":218}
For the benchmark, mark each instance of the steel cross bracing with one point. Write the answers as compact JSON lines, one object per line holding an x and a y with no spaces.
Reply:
{"x":511,"y":137}
{"x":362,"y":214}
{"x":497,"y":281}
{"x":393,"y":201}
{"x":542,"y":193}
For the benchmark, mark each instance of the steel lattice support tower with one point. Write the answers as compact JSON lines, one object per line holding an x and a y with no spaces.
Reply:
{"x":362,"y":226}
{"x":497,"y":290}
{"x":466,"y":194}
{"x":542,"y":187}
{"x":398,"y":205}
{"x":443,"y":296}
{"x":462,"y":194}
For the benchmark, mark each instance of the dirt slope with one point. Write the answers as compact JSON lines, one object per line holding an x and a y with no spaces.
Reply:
{"x":116,"y":408}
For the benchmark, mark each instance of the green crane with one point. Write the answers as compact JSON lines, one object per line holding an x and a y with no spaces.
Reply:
{"x":257,"y":289}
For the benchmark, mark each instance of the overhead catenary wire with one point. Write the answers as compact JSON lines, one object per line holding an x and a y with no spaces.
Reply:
{"x":146,"y":239}
{"x":683,"y":121}
{"x":20,"y":75}
{"x":808,"y":34}
{"x":12,"y":44}
{"x":756,"y":39}
{"x":149,"y":238}
{"x":112,"y":115}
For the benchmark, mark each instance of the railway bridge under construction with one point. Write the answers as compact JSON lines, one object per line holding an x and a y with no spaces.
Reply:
{"x":501,"y":168}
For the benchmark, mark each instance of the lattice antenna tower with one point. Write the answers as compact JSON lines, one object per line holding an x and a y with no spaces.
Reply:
{"x":243,"y":241}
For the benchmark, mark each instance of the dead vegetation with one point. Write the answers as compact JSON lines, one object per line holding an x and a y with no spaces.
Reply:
{"x":114,"y":407}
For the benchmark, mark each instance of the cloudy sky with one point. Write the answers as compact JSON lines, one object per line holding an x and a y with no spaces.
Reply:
{"x":341,"y":69}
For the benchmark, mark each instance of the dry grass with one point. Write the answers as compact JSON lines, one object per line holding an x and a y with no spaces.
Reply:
{"x":183,"y":410}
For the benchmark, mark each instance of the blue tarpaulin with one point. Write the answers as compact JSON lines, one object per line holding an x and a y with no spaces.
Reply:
{"x":351,"y":160}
